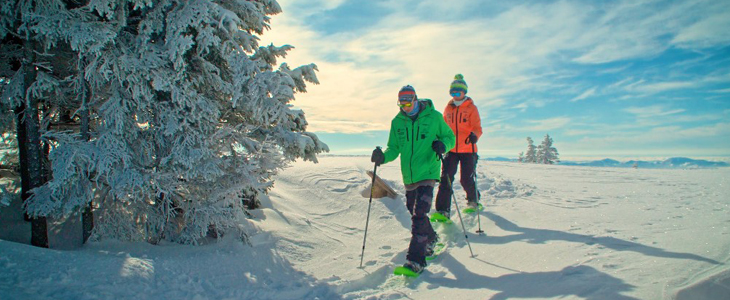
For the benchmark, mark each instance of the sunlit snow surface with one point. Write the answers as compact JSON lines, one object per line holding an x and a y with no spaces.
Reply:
{"x":558,"y":232}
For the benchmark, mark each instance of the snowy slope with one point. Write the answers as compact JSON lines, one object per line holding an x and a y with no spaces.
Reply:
{"x":552,"y":232}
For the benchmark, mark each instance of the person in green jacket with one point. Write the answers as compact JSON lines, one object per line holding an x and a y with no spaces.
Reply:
{"x":419,"y":135}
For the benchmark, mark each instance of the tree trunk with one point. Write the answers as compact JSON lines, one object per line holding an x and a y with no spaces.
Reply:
{"x":22,"y":155}
{"x":87,"y":216}
{"x":33,"y":158}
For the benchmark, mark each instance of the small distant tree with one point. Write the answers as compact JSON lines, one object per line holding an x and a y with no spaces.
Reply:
{"x":530,"y":155}
{"x":546,"y":153}
{"x":521,"y":158}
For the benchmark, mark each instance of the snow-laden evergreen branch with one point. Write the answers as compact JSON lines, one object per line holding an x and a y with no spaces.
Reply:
{"x":187,"y":112}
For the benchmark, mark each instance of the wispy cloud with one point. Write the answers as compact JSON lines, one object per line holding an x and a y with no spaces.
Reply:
{"x":614,"y":70}
{"x":310,"y":7}
{"x":665,"y":141}
{"x":709,"y":31}
{"x":545,"y":125}
{"x":660,"y":135}
{"x":572,"y":132}
{"x":584,"y":95}
{"x":665,"y":86}
{"x":652,"y":111}
{"x":347,"y":126}
{"x":522,"y":107}
{"x":690,"y":82}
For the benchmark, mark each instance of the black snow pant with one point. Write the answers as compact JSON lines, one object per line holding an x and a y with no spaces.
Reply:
{"x":451,"y":161}
{"x":418,"y":202}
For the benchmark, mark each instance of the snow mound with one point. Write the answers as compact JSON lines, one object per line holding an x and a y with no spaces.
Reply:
{"x":494,"y":186}
{"x":713,"y":287}
{"x":501,"y":188}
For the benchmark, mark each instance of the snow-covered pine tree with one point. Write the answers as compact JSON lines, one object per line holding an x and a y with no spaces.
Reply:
{"x":35,"y":66}
{"x":41,"y":45}
{"x":186,"y":113}
{"x":530,"y":155}
{"x":521,"y":157}
{"x":546,"y":153}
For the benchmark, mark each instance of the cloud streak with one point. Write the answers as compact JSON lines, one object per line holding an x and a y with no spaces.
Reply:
{"x":545,"y":125}
{"x":588,"y":93}
{"x":652,"y":111}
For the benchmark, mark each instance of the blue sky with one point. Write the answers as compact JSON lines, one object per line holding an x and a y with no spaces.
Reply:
{"x":619,"y":79}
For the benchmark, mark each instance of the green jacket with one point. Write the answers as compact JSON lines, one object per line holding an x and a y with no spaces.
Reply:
{"x":412,"y":139}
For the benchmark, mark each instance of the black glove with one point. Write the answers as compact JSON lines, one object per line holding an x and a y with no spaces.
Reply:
{"x":472,"y":139}
{"x":438,"y":147}
{"x":378,"y":157}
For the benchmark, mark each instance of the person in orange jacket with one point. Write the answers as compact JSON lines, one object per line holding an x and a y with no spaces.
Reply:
{"x":463,"y":117}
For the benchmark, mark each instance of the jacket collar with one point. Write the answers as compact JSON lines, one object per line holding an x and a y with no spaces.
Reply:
{"x":467,"y":101}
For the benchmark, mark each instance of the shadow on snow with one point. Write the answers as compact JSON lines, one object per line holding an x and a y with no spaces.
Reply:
{"x":582,"y":281}
{"x":540,"y":236}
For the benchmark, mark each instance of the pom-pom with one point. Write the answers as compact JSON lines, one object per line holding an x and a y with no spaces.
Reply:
{"x":459,"y":77}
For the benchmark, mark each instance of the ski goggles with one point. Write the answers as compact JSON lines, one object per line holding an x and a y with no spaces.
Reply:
{"x":456,"y":94}
{"x":406,"y":101}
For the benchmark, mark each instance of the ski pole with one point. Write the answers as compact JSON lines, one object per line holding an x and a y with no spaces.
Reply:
{"x":367,"y":219}
{"x":476,"y":189}
{"x":448,"y":180}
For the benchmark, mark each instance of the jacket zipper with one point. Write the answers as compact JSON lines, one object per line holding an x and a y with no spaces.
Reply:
{"x":413,"y":145}
{"x":457,"y":130}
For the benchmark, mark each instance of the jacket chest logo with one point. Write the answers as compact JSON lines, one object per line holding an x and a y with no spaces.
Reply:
{"x":460,"y":118}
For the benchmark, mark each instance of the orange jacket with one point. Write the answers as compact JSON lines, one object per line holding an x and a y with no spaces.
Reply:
{"x":463,"y":119}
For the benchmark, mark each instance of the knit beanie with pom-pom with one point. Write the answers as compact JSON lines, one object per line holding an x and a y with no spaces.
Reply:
{"x":458,"y":84}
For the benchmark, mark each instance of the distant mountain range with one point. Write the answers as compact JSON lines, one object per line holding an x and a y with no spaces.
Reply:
{"x":671,"y":163}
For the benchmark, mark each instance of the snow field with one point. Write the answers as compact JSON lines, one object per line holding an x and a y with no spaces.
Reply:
{"x":552,"y":232}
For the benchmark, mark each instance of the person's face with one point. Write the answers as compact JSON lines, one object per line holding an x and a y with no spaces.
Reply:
{"x":407,"y":103}
{"x":457,"y":95}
